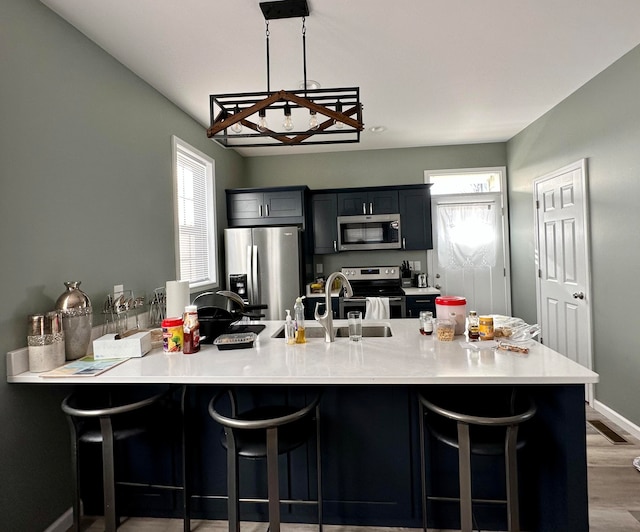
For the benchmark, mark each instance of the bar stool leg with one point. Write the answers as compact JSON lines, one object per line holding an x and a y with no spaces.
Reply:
{"x":319,"y":468}
{"x":273,"y":488}
{"x":108,"y":476}
{"x":464,"y":462}
{"x":511,"y":466}
{"x":75,"y":480}
{"x":186,"y":493}
{"x":423,"y":472}
{"x":233,"y":503}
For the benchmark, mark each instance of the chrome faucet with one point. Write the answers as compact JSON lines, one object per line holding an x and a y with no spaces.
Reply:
{"x":326,"y":319}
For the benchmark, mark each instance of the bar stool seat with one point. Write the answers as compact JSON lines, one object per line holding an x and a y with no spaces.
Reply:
{"x":252,"y":443}
{"x":265,"y":432}
{"x":481,"y":421}
{"x":100,"y":417}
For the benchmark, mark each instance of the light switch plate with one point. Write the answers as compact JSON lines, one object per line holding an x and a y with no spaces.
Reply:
{"x":319,"y":268}
{"x":417,"y":266}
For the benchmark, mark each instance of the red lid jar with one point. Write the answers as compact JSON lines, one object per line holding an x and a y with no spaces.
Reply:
{"x":447,"y":305}
{"x":172,"y":335}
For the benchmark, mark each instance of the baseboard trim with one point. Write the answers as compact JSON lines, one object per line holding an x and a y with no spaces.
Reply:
{"x":616,"y":418}
{"x":63,"y":523}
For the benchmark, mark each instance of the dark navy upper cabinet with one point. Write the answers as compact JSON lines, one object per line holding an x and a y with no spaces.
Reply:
{"x":324,"y":209}
{"x":269,"y":206}
{"x":415,"y":213}
{"x":364,"y":201}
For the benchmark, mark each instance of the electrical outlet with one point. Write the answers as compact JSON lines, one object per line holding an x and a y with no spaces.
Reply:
{"x":319,"y":268}
{"x":411,"y":265}
{"x":417,"y":266}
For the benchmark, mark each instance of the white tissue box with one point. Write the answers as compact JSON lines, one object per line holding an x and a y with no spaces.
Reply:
{"x":135,"y":345}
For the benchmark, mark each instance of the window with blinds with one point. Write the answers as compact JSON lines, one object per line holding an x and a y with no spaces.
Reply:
{"x":194,"y":196}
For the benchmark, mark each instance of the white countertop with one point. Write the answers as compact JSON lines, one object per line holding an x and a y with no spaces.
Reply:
{"x":405,"y":358}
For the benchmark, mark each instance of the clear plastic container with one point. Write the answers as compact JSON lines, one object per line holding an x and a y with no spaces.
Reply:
{"x":445,"y":329}
{"x":445,"y":305}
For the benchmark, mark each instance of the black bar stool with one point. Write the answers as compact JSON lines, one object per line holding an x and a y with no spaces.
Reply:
{"x":266,"y":432}
{"x":481,"y":420}
{"x":98,"y":417}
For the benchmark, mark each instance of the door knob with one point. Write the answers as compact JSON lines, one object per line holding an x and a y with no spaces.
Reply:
{"x":578,"y":295}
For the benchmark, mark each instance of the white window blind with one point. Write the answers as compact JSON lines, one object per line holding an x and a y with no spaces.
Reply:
{"x":194,"y":195}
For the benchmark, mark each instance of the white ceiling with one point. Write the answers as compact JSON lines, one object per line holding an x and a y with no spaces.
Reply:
{"x":433,"y":72}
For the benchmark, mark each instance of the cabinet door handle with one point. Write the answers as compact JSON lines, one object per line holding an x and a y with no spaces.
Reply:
{"x":267,"y":210}
{"x":364,"y":208}
{"x":335,"y":246}
{"x":370,"y":208}
{"x":260,"y":211}
{"x":404,"y":243}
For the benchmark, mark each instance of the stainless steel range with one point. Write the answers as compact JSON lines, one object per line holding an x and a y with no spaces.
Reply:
{"x":373,"y":281}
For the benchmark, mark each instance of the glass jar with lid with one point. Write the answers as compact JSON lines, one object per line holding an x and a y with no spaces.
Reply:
{"x":426,"y":322}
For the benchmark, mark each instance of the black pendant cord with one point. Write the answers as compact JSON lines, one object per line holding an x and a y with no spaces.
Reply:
{"x":304,"y":55}
{"x":268,"y":65}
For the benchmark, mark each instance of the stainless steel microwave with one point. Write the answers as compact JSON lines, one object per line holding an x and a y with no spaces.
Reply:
{"x":372,"y":231}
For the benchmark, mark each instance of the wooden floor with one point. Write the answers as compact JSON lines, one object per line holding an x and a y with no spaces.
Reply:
{"x":614,"y":495}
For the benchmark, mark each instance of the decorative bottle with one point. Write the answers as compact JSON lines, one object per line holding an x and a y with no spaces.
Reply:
{"x":77,"y":320}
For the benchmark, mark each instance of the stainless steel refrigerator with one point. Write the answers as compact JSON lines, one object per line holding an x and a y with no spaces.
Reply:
{"x":263,"y":265}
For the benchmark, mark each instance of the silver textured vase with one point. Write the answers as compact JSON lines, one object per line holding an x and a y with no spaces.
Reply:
{"x":77,"y":320}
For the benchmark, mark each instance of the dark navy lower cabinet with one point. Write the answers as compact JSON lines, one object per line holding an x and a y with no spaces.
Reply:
{"x":370,"y":464}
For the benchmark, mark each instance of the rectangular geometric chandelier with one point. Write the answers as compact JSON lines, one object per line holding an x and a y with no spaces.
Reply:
{"x":286,"y":117}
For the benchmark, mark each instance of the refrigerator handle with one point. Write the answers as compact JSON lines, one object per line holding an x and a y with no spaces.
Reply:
{"x":254,"y":276}
{"x":249,"y":276}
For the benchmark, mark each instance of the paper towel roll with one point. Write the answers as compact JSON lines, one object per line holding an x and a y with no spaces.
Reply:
{"x":177,"y":298}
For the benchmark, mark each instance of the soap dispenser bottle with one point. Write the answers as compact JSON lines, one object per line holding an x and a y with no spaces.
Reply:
{"x":298,"y":314}
{"x":289,"y":329}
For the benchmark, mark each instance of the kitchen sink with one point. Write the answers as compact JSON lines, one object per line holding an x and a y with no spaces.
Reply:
{"x":368,"y":331}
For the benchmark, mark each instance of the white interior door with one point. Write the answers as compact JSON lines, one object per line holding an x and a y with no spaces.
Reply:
{"x":563,"y":282}
{"x":470,"y":255}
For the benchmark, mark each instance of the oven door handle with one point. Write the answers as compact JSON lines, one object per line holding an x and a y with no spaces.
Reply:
{"x":360,"y":299}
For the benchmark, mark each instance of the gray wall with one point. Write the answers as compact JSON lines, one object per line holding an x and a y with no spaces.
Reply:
{"x":600,"y":122}
{"x":85,"y":151}
{"x":368,"y":168}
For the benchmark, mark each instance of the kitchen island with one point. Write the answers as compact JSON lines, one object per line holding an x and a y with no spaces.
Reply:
{"x":369,"y":415}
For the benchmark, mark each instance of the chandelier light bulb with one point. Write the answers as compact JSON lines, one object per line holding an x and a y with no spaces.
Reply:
{"x":237,"y":127}
{"x":288,"y":123}
{"x":262,"y":122}
{"x":313,"y":121}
